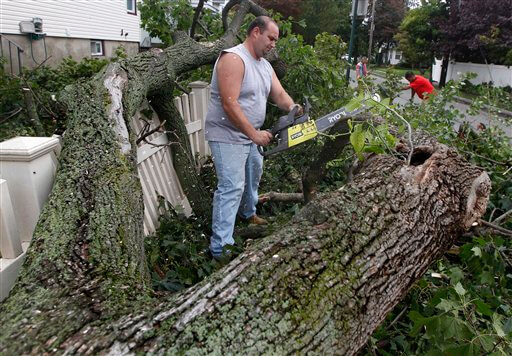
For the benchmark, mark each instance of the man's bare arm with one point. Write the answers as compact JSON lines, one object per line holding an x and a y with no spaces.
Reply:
{"x":230,"y":73}
{"x":279,"y":96}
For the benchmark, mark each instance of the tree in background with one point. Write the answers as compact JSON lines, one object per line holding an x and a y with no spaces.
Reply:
{"x":419,"y":31}
{"x":388,"y":17}
{"x":320,"y":16}
{"x":161,"y":18}
{"x":288,"y":8}
{"x":478,"y":31}
{"x":344,"y":21}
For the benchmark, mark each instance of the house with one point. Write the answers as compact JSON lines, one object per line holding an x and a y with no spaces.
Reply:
{"x":214,"y":5}
{"x":390,"y":55}
{"x":33,"y":32}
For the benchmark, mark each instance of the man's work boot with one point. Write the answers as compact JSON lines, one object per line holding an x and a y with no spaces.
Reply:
{"x":256,"y":220}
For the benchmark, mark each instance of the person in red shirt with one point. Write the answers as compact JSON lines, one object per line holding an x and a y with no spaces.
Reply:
{"x":419,"y":85}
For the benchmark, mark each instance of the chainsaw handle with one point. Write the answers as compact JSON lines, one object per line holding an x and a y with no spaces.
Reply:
{"x":261,"y":151}
{"x":260,"y":148}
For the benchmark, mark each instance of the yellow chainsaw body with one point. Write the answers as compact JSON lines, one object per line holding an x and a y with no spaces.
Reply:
{"x":302,"y":132}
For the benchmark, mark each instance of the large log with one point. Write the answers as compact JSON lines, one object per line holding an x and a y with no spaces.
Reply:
{"x":322,"y":284}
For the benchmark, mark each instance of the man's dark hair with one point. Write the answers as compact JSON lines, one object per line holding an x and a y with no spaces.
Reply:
{"x":409,"y":75}
{"x":261,"y":22}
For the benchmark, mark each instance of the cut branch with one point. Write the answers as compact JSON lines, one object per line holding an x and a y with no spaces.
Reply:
{"x":281,"y":197}
{"x":496,"y":228}
{"x":145,"y":134}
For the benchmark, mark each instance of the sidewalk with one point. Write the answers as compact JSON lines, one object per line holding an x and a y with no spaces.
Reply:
{"x":459,"y":99}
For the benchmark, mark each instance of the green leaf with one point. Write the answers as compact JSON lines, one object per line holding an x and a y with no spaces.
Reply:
{"x":391,"y":140}
{"x":354,"y":103}
{"x":477,"y":251}
{"x":483,"y":308}
{"x":418,"y":320}
{"x":456,"y":275}
{"x":460,"y":289}
{"x":432,"y":327}
{"x":487,"y":342}
{"x":507,"y":326}
{"x":357,"y":138}
{"x":448,"y":305}
{"x":448,"y":327}
{"x":486,"y":278}
{"x":496,"y":324}
{"x":459,"y":350}
{"x":373,"y":148}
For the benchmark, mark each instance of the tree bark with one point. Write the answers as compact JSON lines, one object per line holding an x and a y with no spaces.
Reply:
{"x":321,"y":284}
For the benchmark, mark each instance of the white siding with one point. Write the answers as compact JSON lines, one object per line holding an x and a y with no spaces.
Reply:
{"x":94,"y":19}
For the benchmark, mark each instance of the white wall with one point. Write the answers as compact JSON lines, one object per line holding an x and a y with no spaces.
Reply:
{"x":91,"y":19}
{"x":500,"y":75}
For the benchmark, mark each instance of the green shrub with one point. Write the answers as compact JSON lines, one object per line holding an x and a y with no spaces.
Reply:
{"x":44,"y":82}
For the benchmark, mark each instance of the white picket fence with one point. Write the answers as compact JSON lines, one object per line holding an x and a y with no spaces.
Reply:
{"x":154,"y":157}
{"x":27,"y":169}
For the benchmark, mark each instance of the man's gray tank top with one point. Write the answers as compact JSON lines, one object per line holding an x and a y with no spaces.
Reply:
{"x":254,"y":92}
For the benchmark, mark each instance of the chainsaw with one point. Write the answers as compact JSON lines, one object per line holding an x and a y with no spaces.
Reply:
{"x":289,"y":130}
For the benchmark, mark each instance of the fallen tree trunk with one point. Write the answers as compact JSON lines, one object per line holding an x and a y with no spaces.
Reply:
{"x":322,"y":284}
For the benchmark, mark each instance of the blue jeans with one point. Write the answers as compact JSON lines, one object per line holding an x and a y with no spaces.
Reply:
{"x":239,"y":168}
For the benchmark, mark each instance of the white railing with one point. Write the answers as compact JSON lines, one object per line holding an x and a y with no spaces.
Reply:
{"x":27,"y":170}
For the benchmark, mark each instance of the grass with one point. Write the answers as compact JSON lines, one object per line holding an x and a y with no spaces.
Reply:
{"x":381,"y":70}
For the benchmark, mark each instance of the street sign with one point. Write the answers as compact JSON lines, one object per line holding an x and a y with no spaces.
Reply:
{"x":362,"y":8}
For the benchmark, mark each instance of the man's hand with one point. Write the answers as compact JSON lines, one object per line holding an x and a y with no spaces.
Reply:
{"x":300,"y":109}
{"x":261,"y":137}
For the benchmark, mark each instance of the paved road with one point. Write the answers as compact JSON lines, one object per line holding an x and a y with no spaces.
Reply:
{"x":483,"y":117}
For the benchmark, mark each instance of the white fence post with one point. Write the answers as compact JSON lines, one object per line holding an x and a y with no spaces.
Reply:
{"x":28,"y":164}
{"x":201,"y":91}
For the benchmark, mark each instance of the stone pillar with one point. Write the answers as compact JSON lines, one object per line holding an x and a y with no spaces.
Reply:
{"x":28,"y":164}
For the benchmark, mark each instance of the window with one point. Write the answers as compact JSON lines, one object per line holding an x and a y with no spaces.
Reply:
{"x":96,"y":48}
{"x":131,"y":7}
{"x":398,"y":56}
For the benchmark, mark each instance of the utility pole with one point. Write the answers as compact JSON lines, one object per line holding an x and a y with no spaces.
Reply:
{"x":352,"y":39}
{"x":372,"y":28}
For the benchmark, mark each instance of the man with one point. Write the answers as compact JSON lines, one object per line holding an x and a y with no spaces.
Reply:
{"x":361,"y":70}
{"x":241,"y":83}
{"x":419,"y":85}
